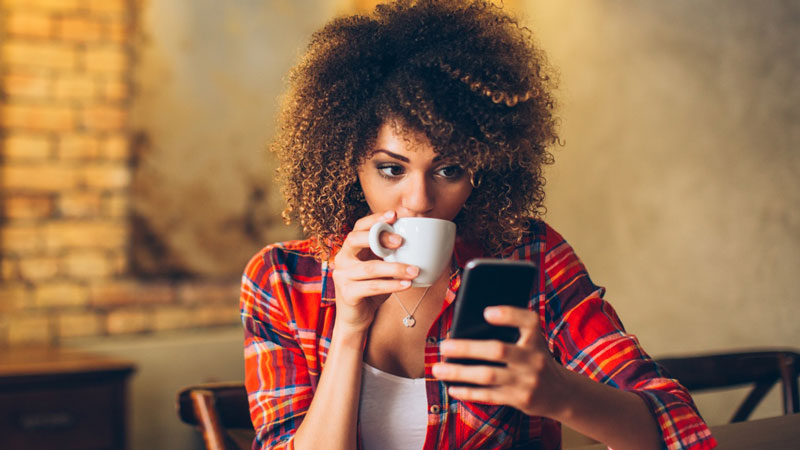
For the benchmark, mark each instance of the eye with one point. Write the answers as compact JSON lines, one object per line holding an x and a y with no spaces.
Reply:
{"x":450,"y":172}
{"x":390,"y":170}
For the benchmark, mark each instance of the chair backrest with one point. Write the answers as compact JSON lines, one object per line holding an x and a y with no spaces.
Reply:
{"x":726,"y":370}
{"x":220,"y":411}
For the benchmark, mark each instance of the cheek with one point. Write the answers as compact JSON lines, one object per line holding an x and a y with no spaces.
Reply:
{"x":458,"y":197}
{"x":367,"y":185}
{"x":378,"y":199}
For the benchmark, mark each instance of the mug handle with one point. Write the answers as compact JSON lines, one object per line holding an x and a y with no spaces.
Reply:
{"x":374,"y":239}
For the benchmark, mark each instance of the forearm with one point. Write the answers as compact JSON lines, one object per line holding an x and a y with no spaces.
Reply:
{"x":331,"y":420}
{"x":612,"y":416}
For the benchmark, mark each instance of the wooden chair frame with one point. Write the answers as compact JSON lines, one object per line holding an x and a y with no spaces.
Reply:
{"x":220,"y":411}
{"x":726,"y":370}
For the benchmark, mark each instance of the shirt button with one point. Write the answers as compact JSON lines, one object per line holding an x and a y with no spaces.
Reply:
{"x":435,"y":409}
{"x":431,"y":340}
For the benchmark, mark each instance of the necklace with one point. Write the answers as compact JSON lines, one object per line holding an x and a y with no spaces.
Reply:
{"x":409,"y":320}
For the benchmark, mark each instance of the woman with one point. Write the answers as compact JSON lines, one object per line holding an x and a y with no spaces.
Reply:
{"x":433,"y":109}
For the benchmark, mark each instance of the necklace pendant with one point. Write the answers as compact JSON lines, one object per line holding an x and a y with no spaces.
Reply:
{"x":409,"y":321}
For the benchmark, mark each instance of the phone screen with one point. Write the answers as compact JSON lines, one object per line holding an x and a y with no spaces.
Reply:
{"x":490,"y":282}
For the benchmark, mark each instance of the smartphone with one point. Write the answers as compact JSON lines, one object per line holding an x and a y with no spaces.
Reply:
{"x":490,"y":282}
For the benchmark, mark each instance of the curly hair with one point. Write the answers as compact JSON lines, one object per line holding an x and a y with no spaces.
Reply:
{"x":463,"y":73}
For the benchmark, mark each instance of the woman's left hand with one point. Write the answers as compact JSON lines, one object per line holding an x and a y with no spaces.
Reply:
{"x":532,"y":381}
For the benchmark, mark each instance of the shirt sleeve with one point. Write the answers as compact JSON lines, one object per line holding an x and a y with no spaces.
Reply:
{"x":276,"y":373}
{"x":586,"y":336}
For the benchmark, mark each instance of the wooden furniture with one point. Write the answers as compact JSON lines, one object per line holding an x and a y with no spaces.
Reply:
{"x":221,"y":412}
{"x":55,"y":398}
{"x":762,"y":369}
{"x":774,"y":433}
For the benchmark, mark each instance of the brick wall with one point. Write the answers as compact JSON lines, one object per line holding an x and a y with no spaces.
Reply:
{"x":66,"y":182}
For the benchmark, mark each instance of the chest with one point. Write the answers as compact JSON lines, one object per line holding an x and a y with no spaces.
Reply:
{"x":396,"y":348}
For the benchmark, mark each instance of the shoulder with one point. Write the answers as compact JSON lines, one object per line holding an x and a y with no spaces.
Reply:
{"x":542,"y":239}
{"x":563,"y":270}
{"x":558,"y":258}
{"x":539,"y":239}
{"x":282,"y":280}
{"x":281,"y":263}
{"x":288,"y":255}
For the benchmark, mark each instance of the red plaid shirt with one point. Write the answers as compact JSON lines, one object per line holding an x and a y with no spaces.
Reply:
{"x":288,"y":311}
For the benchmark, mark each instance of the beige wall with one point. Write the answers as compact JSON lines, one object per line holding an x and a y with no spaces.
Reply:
{"x":208,"y":77}
{"x":678,"y":184}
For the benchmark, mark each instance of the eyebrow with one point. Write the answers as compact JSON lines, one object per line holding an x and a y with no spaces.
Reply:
{"x":400,"y":157}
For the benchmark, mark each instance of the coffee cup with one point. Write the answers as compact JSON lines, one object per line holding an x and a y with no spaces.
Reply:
{"x":427,"y":244}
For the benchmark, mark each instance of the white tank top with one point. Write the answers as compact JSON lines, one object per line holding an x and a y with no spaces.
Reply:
{"x":393,"y":411}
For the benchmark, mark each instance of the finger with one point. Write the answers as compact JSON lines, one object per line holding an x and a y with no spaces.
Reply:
{"x":357,"y":241}
{"x":525,"y":320}
{"x":485,"y":395}
{"x":366,"y":222}
{"x":371,"y":288}
{"x":479,"y":374}
{"x":354,"y":243}
{"x":369,"y":270}
{"x":485,"y":350}
{"x":356,"y":247}
{"x":511,"y":316}
{"x":390,"y":240}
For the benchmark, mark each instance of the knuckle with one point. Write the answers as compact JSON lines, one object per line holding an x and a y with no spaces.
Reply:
{"x":488,"y":376}
{"x":539,"y":360}
{"x":369,"y":268}
{"x":339,"y":275}
{"x":346,"y":245}
{"x":527,"y":380}
{"x":374,"y":288}
{"x":338,"y":259}
{"x":362,"y":222}
{"x":532,"y":321}
{"x":401,"y":271}
{"x":498,"y":350}
{"x":528,"y":398}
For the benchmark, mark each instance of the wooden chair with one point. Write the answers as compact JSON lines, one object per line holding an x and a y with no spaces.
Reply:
{"x":759,"y":368}
{"x":220,"y":411}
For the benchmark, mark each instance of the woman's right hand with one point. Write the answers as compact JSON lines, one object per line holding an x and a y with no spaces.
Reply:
{"x":363,"y":282}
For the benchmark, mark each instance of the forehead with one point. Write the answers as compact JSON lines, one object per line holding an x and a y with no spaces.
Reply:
{"x":397,"y":138}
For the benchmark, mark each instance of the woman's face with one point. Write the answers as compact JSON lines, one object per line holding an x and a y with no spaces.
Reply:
{"x":404,"y":174}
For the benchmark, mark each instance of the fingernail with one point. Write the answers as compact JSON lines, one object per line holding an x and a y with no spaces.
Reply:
{"x":491,"y":313}
{"x":388,"y":214}
{"x":405,"y":283}
{"x":445,"y":346}
{"x":395,"y":239}
{"x":411,"y":270}
{"x":455,"y":391}
{"x":439,"y":370}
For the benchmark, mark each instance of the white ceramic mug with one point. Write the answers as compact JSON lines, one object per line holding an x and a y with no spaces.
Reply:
{"x":427,"y":244}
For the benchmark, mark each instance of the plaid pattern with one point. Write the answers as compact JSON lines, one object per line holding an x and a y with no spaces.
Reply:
{"x":288,"y":311}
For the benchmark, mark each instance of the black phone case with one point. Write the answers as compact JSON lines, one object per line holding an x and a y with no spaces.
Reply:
{"x":490,"y":282}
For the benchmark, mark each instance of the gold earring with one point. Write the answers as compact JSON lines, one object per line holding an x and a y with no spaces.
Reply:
{"x":475,"y":181}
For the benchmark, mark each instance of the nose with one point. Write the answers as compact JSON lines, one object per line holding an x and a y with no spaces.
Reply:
{"x":418,"y":197}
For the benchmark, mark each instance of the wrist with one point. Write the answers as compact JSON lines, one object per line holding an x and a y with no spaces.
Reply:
{"x":567,"y":395}
{"x":348,"y":336}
